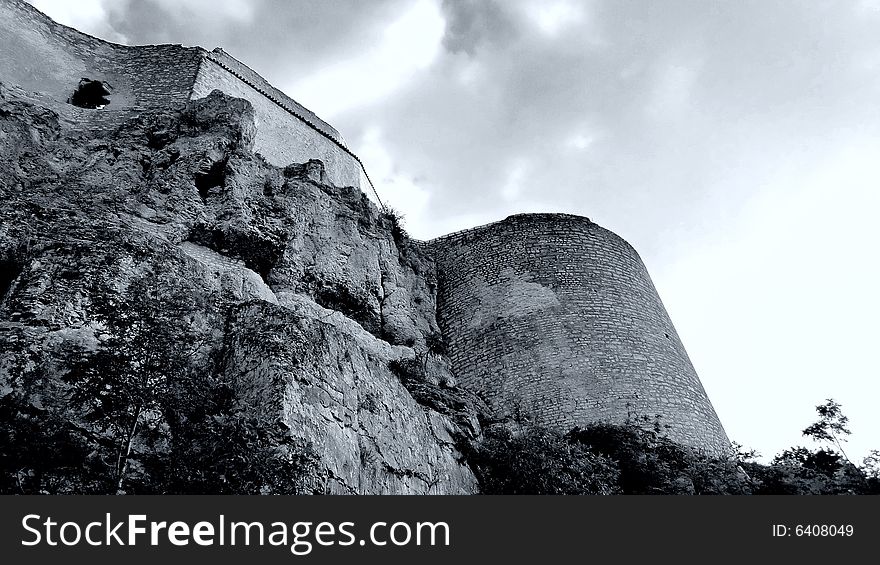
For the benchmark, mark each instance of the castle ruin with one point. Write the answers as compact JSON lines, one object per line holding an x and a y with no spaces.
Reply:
{"x":548,"y":315}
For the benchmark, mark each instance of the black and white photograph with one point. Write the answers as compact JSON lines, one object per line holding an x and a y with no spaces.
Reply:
{"x":439,"y":247}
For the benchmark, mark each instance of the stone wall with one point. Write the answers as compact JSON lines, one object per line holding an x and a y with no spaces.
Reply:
{"x":284,"y":135}
{"x":41,"y":55}
{"x":557,"y":317}
{"x":251,"y":77}
{"x":160,"y":75}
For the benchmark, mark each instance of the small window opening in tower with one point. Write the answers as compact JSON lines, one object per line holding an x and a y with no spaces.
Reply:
{"x":92,"y":94}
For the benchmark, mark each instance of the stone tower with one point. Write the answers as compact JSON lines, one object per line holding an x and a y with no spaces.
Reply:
{"x":556,"y":317}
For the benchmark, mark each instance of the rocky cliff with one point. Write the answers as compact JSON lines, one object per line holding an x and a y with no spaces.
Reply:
{"x":166,"y":295}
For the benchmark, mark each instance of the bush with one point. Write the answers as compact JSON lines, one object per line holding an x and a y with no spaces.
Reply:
{"x":637,"y":457}
{"x":141,"y":415}
{"x":651,"y":463}
{"x":539,"y":461}
{"x":42,"y":453}
{"x":394,"y":220}
{"x":225,"y":451}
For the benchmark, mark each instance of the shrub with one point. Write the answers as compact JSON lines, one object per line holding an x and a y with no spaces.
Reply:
{"x":142,"y":416}
{"x":637,"y":457}
{"x":539,"y":461}
{"x":395,"y":222}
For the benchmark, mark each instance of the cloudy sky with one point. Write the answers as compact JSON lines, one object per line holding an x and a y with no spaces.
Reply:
{"x":734,"y":143}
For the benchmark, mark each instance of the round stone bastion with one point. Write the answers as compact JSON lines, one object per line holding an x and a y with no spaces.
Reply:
{"x":555,"y":318}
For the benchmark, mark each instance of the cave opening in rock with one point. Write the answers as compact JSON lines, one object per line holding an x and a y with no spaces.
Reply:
{"x":9,"y":271}
{"x":92,"y":94}
{"x":211,"y":176}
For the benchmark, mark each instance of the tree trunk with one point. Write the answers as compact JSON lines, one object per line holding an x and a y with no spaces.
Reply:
{"x":122,"y":461}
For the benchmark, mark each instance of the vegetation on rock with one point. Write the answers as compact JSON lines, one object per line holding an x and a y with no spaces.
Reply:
{"x":636,"y":457}
{"x":141,"y":414}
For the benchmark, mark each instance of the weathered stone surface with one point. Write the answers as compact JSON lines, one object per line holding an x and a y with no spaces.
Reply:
{"x":328,"y":381}
{"x":45,"y":56}
{"x":556,"y":317}
{"x":310,"y":301}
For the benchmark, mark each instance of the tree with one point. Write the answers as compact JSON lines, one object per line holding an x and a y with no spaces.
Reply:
{"x":217,"y":447}
{"x":871,"y":465}
{"x":153,"y":391}
{"x":435,"y":345}
{"x":799,"y":470}
{"x":121,"y":387}
{"x":831,"y":426}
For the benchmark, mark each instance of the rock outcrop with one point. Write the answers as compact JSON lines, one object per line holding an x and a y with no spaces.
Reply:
{"x":301,"y":297}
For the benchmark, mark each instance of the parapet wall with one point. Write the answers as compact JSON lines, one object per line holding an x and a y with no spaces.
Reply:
{"x":282,"y":137}
{"x":253,"y":78}
{"x":41,"y":55}
{"x":556,"y":317}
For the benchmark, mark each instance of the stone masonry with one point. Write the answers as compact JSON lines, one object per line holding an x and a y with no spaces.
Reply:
{"x":555,"y":317}
{"x":41,"y":55}
{"x":546,"y":315}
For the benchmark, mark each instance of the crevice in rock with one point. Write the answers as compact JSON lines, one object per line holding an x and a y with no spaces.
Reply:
{"x":352,"y":304}
{"x":372,"y":454}
{"x":211,"y":176}
{"x":331,"y":476}
{"x":457,"y":404}
{"x":409,"y":473}
{"x":9,"y":271}
{"x":260,"y":254}
{"x":385,"y":294}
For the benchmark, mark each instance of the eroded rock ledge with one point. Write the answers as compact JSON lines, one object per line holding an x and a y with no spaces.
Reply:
{"x":299,"y":295}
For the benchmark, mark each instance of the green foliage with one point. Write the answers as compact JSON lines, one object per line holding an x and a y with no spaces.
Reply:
{"x":435,"y":344}
{"x":539,"y":461}
{"x":143,"y":352}
{"x":801,"y":471}
{"x":145,"y":411}
{"x":871,"y":469}
{"x":221,"y":450}
{"x":407,"y":369}
{"x":353,"y":302}
{"x":651,"y":463}
{"x":637,"y":457}
{"x":394,"y":220}
{"x":828,"y":470}
{"x":831,"y":427}
{"x":871,"y":464}
{"x":42,"y":453}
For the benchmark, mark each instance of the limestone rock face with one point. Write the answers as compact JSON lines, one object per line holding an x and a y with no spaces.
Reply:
{"x":315,"y":371}
{"x":300,"y":295}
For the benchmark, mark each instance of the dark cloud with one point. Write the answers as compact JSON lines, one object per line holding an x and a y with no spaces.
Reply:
{"x":279,"y":38}
{"x":680,"y":100}
{"x":470,"y":23}
{"x":623,"y":110}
